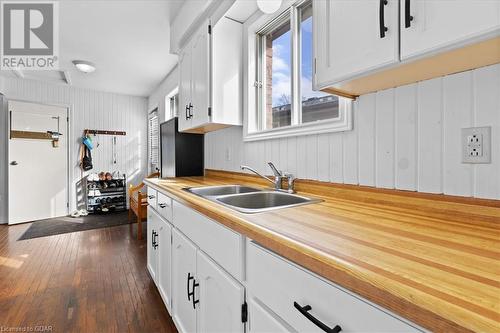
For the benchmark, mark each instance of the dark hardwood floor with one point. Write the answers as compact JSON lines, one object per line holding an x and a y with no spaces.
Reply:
{"x":89,"y":281}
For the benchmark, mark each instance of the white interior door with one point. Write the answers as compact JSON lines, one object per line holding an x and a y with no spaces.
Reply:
{"x":38,"y":172}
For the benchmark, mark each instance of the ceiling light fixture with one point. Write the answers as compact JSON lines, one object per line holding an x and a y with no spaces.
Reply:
{"x":269,"y":6}
{"x":84,"y":66}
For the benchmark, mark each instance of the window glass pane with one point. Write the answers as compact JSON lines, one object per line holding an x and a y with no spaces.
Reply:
{"x":316,"y":105}
{"x":278,"y":87}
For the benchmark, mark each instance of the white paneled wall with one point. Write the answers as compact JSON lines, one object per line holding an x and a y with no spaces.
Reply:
{"x":405,"y":138}
{"x":94,"y":110}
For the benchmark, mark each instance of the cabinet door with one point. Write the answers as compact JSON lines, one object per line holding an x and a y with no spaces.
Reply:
{"x":200,"y":77}
{"x":183,"y":273}
{"x":152,"y":252}
{"x":221,"y":298}
{"x":347,"y":38}
{"x":263,"y":320}
{"x":165,"y":262}
{"x":438,"y":24}
{"x":185,"y":88}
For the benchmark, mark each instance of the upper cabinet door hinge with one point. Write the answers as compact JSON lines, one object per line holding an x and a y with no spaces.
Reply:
{"x":209,"y":29}
{"x":209,"y":111}
{"x":244,"y":312}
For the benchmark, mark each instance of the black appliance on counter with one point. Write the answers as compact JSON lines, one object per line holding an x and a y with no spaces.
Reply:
{"x":182,"y":154}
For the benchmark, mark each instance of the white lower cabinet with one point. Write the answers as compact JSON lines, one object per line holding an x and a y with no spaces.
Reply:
{"x":206,"y":298}
{"x":164,"y":276}
{"x":152,"y":255}
{"x":184,"y":284}
{"x":262,"y":320}
{"x":221,"y":298}
{"x":308,"y":303}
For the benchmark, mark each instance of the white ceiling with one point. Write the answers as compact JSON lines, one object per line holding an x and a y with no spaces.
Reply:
{"x":127,"y":40}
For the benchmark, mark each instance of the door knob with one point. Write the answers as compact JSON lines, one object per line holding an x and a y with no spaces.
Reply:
{"x":13,"y":163}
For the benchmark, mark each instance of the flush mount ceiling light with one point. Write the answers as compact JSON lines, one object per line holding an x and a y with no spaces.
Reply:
{"x":269,"y":6}
{"x":84,"y":66}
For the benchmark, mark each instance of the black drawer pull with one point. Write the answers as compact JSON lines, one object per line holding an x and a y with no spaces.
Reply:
{"x":190,"y":113}
{"x":305,"y":312}
{"x":189,"y":278}
{"x":408,"y":17}
{"x":162,"y":205}
{"x":195,"y":301}
{"x":381,"y":18}
{"x":151,"y":196}
{"x":187,"y":109}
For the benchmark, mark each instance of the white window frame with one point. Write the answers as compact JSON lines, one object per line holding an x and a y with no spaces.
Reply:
{"x":169,"y":111}
{"x":254,"y":103}
{"x":153,"y":117}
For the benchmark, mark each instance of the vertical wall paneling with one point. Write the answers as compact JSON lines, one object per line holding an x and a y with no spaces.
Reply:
{"x":350,"y":150}
{"x":457,"y":115}
{"x":301,"y":157}
{"x":487,"y":113}
{"x":312,"y":157}
{"x":366,"y":129}
{"x":336,"y":158}
{"x":92,"y":109}
{"x":430,"y":136}
{"x":406,"y":137}
{"x":292,"y":155}
{"x":384,"y":139}
{"x":323,"y":157}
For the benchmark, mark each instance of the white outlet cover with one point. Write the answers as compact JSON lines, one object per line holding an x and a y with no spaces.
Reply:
{"x":481,"y":144}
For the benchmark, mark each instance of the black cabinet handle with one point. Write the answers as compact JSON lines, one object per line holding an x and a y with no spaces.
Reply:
{"x":151,"y":196}
{"x":162,"y":205}
{"x":305,"y":312}
{"x":408,"y":17}
{"x":190,"y":108}
{"x":155,"y":244}
{"x":187,"y":110}
{"x":381,"y":18}
{"x":189,"y":293}
{"x":195,"y":301}
{"x":152,"y":238}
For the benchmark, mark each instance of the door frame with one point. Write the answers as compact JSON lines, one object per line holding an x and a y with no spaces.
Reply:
{"x":69,"y":114}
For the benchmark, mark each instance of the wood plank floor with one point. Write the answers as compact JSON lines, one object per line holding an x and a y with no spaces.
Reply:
{"x":89,"y":281}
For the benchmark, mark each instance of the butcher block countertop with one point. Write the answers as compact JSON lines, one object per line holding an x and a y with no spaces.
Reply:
{"x":432,"y":259}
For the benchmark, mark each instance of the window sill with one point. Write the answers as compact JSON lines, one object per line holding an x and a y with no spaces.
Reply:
{"x":324,"y":126}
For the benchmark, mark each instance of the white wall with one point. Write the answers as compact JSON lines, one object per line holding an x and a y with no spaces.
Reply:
{"x":405,"y":138}
{"x":94,"y":110}
{"x":157,"y":97}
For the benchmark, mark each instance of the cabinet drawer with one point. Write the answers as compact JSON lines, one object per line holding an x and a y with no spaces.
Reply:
{"x":220,"y":243}
{"x":280,"y":284}
{"x":164,"y":204}
{"x":152,"y":194}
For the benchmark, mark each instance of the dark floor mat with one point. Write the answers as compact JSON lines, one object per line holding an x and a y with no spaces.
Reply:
{"x":63,"y":225}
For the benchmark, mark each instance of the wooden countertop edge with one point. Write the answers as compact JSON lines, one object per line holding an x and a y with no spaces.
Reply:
{"x":299,"y":254}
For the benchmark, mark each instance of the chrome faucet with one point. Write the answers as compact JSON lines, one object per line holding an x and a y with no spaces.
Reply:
{"x":278,"y":177}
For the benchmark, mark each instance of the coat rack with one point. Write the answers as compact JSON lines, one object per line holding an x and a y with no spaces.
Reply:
{"x":103,"y":132}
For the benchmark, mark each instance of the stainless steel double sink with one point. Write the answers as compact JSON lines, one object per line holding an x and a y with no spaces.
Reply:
{"x":250,"y":200}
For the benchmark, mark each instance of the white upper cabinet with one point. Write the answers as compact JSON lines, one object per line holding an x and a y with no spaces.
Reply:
{"x":353,"y":37}
{"x":211,"y":78}
{"x":430,"y":25}
{"x":185,"y":88}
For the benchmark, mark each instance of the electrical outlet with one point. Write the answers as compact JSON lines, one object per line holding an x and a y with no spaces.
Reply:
{"x":476,"y":145}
